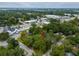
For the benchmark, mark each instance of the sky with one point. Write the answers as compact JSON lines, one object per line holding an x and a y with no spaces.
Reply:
{"x":39,"y":4}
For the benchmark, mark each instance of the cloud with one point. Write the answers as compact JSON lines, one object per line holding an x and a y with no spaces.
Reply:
{"x":39,"y":4}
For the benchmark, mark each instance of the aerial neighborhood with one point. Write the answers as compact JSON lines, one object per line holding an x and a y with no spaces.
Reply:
{"x":39,"y":32}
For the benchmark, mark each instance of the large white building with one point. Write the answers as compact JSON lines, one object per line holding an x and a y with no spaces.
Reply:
{"x":53,"y":16}
{"x":61,"y":18}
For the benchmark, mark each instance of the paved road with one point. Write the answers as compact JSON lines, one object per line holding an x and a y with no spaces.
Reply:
{"x":47,"y":53}
{"x":58,"y":43}
{"x":27,"y":50}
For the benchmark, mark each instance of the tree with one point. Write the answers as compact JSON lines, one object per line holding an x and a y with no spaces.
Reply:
{"x":11,"y":52}
{"x":12,"y":21}
{"x":4,"y":36}
{"x":68,"y":28}
{"x":67,"y":46}
{"x":12,"y":43}
{"x":25,"y":39}
{"x":39,"y":45}
{"x":35,"y":41}
{"x":57,"y":50}
{"x":74,"y":40}
{"x":54,"y":26}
